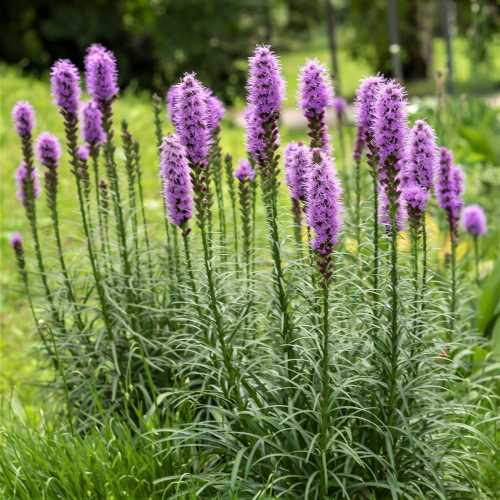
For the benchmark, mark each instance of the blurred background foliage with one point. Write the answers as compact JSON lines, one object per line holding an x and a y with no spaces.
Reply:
{"x":158,"y":40}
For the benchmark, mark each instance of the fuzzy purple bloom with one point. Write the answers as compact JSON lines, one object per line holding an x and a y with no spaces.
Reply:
{"x":101,"y":73}
{"x":384,"y":214}
{"x":92,"y":131}
{"x":315,"y":90}
{"x":215,"y":111}
{"x":176,"y":176}
{"x":265,"y":85}
{"x":22,"y":183}
{"x":48,"y":150}
{"x":65,"y":86}
{"x":16,"y":242}
{"x":390,"y":129}
{"x":297,"y":168}
{"x":24,"y":118}
{"x":339,"y":104}
{"x":172,"y":95}
{"x":245,"y":172}
{"x":449,"y":185}
{"x":192,"y":125}
{"x":421,"y":160}
{"x":365,"y":113}
{"x":324,"y":206}
{"x":474,"y":220}
{"x":83,"y":153}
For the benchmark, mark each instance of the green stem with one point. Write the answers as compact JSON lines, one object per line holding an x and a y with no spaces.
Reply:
{"x":325,"y":390}
{"x":424,"y":258}
{"x":297,"y":225}
{"x":375,"y":270}
{"x":453,"y":299}
{"x":358,"y":205}
{"x":476,"y":258}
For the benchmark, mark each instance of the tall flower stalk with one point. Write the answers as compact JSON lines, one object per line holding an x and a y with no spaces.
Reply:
{"x":228,"y":167}
{"x":49,"y":153}
{"x":449,"y":190}
{"x":101,"y":77}
{"x":65,"y":83}
{"x":265,"y":94}
{"x":417,"y":180}
{"x":389,"y":132}
{"x":28,"y":188}
{"x":246,"y":175}
{"x":365,"y":116}
{"x":297,"y":167}
{"x":324,"y":217}
{"x":474,"y":222}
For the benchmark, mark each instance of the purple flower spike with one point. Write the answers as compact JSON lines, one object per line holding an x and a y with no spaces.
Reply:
{"x":265,"y":84}
{"x":24,"y":118}
{"x":192,"y":125}
{"x":416,"y":198}
{"x":92,"y":131}
{"x":422,"y":156}
{"x":390,"y":129}
{"x":177,"y":188}
{"x":48,"y":150}
{"x":365,"y":114}
{"x":384,"y":214}
{"x":297,"y":168}
{"x":22,"y":184}
{"x":65,"y":85}
{"x":83,"y":153}
{"x":449,"y":188}
{"x":315,"y":91}
{"x":16,"y":242}
{"x":215,"y":111}
{"x":474,"y":220}
{"x":245,"y":172}
{"x":101,"y":73}
{"x":324,"y":209}
{"x":315,"y":95}
{"x":172,"y":95}
{"x":339,"y":104}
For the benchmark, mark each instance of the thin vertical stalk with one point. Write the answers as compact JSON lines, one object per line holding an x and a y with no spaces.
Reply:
{"x":297,"y":225}
{"x":112,"y":173}
{"x":94,"y":153}
{"x":138,"y":173}
{"x":375,"y":269}
{"x":453,"y":298}
{"x":254,"y":221}
{"x":216,"y":166}
{"x":414,"y":230}
{"x":357,"y":180}
{"x":476,"y":258}
{"x":325,"y":387}
{"x":424,"y":257}
{"x":228,"y":162}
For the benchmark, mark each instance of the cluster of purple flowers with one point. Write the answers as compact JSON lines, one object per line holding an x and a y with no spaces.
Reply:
{"x":474,"y":220}
{"x":22,"y":180}
{"x":48,"y":150}
{"x":101,"y":74}
{"x":65,"y":84}
{"x":92,"y":131}
{"x":24,"y":118}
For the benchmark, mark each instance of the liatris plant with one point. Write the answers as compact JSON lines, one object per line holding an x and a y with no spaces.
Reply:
{"x":316,"y":95}
{"x":389,"y":132}
{"x":449,"y":189}
{"x":324,"y":217}
{"x":346,"y":403}
{"x":297,"y":167}
{"x":418,"y":179}
{"x":49,"y":154}
{"x":228,"y":168}
{"x":474,"y":222}
{"x":246,"y":175}
{"x":265,"y":94}
{"x":28,"y":187}
{"x":365,"y":116}
{"x":339,"y":105}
